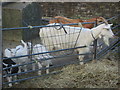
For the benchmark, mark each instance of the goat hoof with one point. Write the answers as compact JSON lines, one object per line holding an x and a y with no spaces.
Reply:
{"x":81,"y":63}
{"x":10,"y":85}
{"x":51,"y":65}
{"x":16,"y":83}
{"x":39,"y":72}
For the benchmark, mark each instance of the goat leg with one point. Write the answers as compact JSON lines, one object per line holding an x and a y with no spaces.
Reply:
{"x":39,"y":67}
{"x":47,"y":70}
{"x":15,"y":78}
{"x":25,"y":68}
{"x":33,"y":66}
{"x":81,"y":59}
{"x":9,"y":80}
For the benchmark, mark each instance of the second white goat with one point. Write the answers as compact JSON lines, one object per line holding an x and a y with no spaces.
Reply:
{"x":38,"y":48}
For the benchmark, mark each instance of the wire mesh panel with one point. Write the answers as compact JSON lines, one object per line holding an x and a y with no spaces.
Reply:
{"x":58,"y":37}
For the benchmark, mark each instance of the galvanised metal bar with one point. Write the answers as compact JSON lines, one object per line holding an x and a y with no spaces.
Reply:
{"x":52,"y":25}
{"x":105,"y":52}
{"x":32,"y":77}
{"x":46,"y":52}
{"x":113,"y":17}
{"x":55,"y":66}
{"x":43,"y":26}
{"x":116,"y":26}
{"x":46,"y":59}
{"x":61,"y":65}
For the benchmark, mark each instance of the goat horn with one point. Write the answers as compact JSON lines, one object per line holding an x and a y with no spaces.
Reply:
{"x":104,"y":20}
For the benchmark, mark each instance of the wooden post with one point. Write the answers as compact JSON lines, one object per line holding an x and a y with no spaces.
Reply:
{"x":0,"y":47}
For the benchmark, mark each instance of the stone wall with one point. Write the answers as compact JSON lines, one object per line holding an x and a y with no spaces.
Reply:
{"x":80,"y":9}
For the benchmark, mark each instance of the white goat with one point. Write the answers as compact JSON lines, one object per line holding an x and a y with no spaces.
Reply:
{"x":22,"y":50}
{"x":38,"y":48}
{"x":9,"y":52}
{"x":53,"y":38}
{"x":18,"y":51}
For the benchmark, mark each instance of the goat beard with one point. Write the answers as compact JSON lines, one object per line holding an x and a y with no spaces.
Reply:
{"x":106,"y":40}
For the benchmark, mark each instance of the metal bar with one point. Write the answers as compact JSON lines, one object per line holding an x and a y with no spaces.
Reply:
{"x":47,"y":74}
{"x":46,"y":52}
{"x":32,"y":77}
{"x":105,"y":52}
{"x":113,"y":17}
{"x":53,"y":25}
{"x":106,"y":48}
{"x":44,"y":26}
{"x":46,"y":59}
{"x":116,"y":26}
{"x":56,"y":66}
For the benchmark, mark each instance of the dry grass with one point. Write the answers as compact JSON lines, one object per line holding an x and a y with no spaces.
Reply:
{"x":100,"y":74}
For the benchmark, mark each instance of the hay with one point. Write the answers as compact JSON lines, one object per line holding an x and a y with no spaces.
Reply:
{"x":100,"y":74}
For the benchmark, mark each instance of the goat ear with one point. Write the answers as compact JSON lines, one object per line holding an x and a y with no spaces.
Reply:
{"x":9,"y":49}
{"x":21,"y":41}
